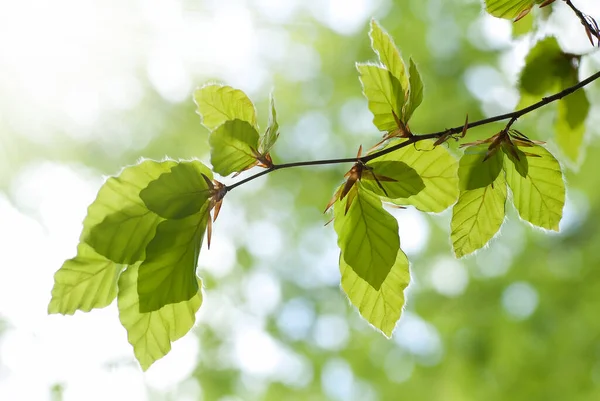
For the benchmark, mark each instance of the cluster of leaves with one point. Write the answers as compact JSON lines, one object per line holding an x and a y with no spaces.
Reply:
{"x":142,"y":235}
{"x":549,"y":70}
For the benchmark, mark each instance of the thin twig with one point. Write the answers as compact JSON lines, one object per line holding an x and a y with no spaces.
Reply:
{"x":514,"y":116}
{"x":592,"y":30}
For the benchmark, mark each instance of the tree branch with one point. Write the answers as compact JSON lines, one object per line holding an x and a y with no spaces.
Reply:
{"x":514,"y":116}
{"x":586,"y":21}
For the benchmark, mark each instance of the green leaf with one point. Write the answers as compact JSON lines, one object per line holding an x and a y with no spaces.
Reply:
{"x":405,"y":180}
{"x":384,"y":94}
{"x":83,"y":283}
{"x":168,"y":275}
{"x":474,"y":172}
{"x":179,"y":193}
{"x":152,"y":333}
{"x":389,"y":55}
{"x":119,"y":225}
{"x":415,"y":95}
{"x":539,"y":197}
{"x":272,"y":134}
{"x":570,"y":122}
{"x":480,"y":210}
{"x":367,"y":236}
{"x":546,"y":66}
{"x":217,"y":104}
{"x":88,"y":280}
{"x":438,"y":170}
{"x":383,"y":307}
{"x":233,"y":147}
{"x":509,"y":9}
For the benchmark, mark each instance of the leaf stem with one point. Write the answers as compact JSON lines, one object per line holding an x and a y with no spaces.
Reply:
{"x":513,"y":116}
{"x":591,"y":30}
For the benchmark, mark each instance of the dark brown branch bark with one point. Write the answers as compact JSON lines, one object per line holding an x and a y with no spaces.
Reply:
{"x":416,"y":138}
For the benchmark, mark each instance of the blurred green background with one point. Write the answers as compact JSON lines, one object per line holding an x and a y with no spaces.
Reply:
{"x":87,"y":87}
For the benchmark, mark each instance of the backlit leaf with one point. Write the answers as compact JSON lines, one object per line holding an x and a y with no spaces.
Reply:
{"x":509,"y":9}
{"x":438,"y":170}
{"x":415,"y":95}
{"x":168,"y":275}
{"x":367,"y":236}
{"x":480,"y":210}
{"x":389,"y":55}
{"x":546,"y":66}
{"x":270,"y":137}
{"x":178,"y":193}
{"x":152,"y":333}
{"x":233,"y":147}
{"x":384,"y":93}
{"x":88,"y":280}
{"x":383,"y":307}
{"x":83,"y":283}
{"x":539,"y":197}
{"x":570,"y":122}
{"x":217,"y":104}
{"x":397,"y":179}
{"x":119,"y":225}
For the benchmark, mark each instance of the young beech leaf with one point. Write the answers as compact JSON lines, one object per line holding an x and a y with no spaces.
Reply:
{"x":391,"y":179}
{"x":384,"y":93}
{"x":383,"y":307}
{"x":179,"y":193}
{"x":152,"y":333}
{"x":389,"y":55}
{"x":415,"y":95}
{"x":233,"y":147}
{"x":510,"y":9}
{"x":539,"y":197}
{"x":168,"y":275}
{"x":270,"y":137}
{"x":88,"y":280}
{"x":217,"y":104}
{"x":480,"y":210}
{"x":570,"y":121}
{"x":546,"y":66}
{"x":367,"y":236}
{"x":119,"y":225}
{"x":83,"y":283}
{"x":436,"y":167}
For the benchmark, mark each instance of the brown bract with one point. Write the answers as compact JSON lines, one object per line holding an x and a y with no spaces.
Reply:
{"x":217,"y":191}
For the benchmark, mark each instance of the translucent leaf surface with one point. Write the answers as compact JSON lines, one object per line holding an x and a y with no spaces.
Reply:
{"x":367,"y":236}
{"x":83,"y":283}
{"x":389,"y":55}
{"x":539,"y":197}
{"x":570,"y":122}
{"x":383,"y":307}
{"x":217,"y":104}
{"x":168,"y":275}
{"x":233,"y":146}
{"x":119,"y":225}
{"x":509,"y":9}
{"x":270,"y":137}
{"x":438,"y":170}
{"x":88,"y":280}
{"x":384,"y":94}
{"x":395,"y":179}
{"x":178,"y":193}
{"x":415,"y":96}
{"x":479,"y":212}
{"x":545,"y":68}
{"x":152,"y":333}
